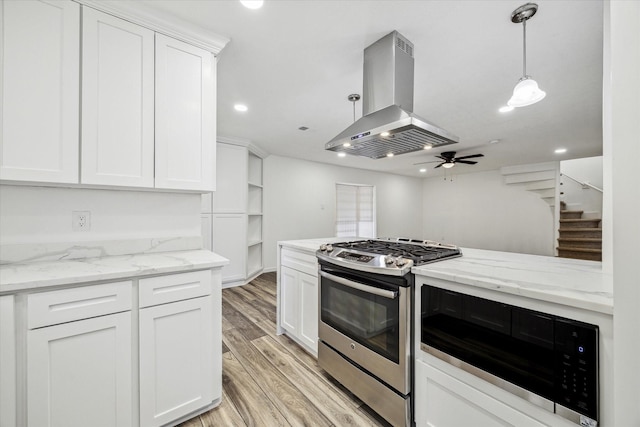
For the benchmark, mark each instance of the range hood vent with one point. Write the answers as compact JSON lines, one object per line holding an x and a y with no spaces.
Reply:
{"x":388,"y":106}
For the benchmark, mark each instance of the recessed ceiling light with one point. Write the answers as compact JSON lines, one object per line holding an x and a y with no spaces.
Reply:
{"x":346,"y":144}
{"x":560,"y":150}
{"x":390,"y":155}
{"x":240,"y":107}
{"x":342,"y":154}
{"x":423,"y":170}
{"x":428,"y":147}
{"x":506,"y":109}
{"x":384,"y":134}
{"x":252,"y":4}
{"x":494,"y":141}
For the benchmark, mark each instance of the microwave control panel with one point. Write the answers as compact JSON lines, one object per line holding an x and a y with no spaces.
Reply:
{"x":577,"y":366}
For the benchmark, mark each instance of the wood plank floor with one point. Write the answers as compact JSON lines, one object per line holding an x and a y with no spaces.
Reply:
{"x":268,"y":380}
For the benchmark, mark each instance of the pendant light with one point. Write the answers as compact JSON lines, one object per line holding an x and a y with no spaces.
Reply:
{"x":526,"y":91}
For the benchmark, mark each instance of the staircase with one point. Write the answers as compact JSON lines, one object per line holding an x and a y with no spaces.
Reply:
{"x":580,"y":238}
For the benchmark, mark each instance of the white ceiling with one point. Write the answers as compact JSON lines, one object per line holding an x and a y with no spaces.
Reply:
{"x":293,"y":63}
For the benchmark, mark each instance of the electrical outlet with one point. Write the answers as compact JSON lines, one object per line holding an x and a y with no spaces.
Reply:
{"x":81,"y":220}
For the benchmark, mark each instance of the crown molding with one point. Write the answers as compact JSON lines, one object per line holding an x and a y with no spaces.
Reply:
{"x":160,"y":22}
{"x":243,"y":143}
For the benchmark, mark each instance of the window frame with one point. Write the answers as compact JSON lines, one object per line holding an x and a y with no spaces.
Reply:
{"x":358,"y":221}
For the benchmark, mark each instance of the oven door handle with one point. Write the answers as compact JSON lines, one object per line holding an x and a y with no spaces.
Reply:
{"x":365,"y":288}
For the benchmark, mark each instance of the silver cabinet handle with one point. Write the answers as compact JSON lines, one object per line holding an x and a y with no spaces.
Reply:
{"x":365,"y":288}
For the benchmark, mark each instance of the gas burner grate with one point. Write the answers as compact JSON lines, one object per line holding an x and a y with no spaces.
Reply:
{"x":421,"y":252}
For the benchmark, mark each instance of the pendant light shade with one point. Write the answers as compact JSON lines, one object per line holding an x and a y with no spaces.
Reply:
{"x":526,"y":91}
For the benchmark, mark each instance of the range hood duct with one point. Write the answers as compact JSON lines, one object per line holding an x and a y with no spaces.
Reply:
{"x":388,"y":106}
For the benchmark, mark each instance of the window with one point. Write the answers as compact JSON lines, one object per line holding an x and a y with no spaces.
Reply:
{"x":355,"y":210}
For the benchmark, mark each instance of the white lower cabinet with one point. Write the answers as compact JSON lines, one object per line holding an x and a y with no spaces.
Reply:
{"x":79,"y":373}
{"x":7,"y":361}
{"x":298,"y":298}
{"x":289,"y":300}
{"x":87,"y":356}
{"x":444,"y":401}
{"x":229,"y":240}
{"x":176,"y":360}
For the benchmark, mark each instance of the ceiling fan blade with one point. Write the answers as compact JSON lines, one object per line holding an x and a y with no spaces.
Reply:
{"x":439,"y":165}
{"x":469,"y":157}
{"x":446,"y":159}
{"x":466,"y":162}
{"x":422,"y":163}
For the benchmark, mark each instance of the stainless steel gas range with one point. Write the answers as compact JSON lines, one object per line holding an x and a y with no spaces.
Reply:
{"x":365,"y":318}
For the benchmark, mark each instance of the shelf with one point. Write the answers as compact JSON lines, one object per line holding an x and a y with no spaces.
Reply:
{"x":254,"y":242}
{"x":254,"y":203}
{"x":255,"y":169}
{"x":254,"y":259}
{"x":251,"y":184}
{"x":254,"y":229}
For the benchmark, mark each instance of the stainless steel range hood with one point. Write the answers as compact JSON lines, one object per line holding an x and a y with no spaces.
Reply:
{"x":388,"y":125}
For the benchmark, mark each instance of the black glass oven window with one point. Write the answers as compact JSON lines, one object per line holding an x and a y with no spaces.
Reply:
{"x":513,"y":344}
{"x":554,"y":357}
{"x":368,"y":319}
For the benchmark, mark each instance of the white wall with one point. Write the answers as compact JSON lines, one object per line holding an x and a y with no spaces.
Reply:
{"x":477,"y":210}
{"x":35,"y":221}
{"x":621,"y":221}
{"x":299,"y":201}
{"x":589,"y":170}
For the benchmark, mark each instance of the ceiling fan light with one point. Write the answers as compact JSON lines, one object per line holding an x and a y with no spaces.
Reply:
{"x":448,"y":165}
{"x":526,"y":93}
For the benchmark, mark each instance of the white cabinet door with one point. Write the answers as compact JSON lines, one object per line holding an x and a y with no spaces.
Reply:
{"x":444,"y":401}
{"x":7,"y":362}
{"x":230,"y":241}
{"x":290,"y":300}
{"x":176,"y":360}
{"x":185,"y":116}
{"x":117,"y":101}
{"x":79,"y":373}
{"x":40,"y":91}
{"x":231,"y":179}
{"x":309,"y":310}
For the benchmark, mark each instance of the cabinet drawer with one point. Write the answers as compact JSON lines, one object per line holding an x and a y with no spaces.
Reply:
{"x":300,"y":261}
{"x":174,"y":287}
{"x":66,"y":305}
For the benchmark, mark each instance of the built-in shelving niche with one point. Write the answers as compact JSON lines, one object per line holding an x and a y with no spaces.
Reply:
{"x":254,"y":217}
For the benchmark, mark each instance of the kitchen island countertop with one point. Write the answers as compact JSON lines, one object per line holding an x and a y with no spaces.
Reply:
{"x":19,"y":277}
{"x":312,"y":245}
{"x":571,"y":282}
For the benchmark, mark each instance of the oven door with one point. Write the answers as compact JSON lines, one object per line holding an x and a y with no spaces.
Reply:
{"x":367,"y":320}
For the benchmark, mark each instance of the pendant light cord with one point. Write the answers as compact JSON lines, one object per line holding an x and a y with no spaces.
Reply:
{"x":524,"y":48}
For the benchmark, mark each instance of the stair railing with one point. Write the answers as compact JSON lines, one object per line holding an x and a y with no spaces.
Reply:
{"x":585,"y":185}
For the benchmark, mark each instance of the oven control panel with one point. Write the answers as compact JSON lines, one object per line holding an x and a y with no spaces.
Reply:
{"x":577,"y":366}
{"x":351,"y":256}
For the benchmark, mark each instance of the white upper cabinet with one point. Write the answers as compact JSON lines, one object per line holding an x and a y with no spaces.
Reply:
{"x":142,"y":115}
{"x":185,"y":116}
{"x":39,"y":91}
{"x":117,"y":101}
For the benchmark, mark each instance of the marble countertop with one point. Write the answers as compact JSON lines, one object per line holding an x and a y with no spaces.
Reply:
{"x":23,"y":276}
{"x":572,"y":282}
{"x":312,"y":245}
{"x":576,"y":283}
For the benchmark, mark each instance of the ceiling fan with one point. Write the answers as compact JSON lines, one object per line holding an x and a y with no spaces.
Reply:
{"x":449,"y":159}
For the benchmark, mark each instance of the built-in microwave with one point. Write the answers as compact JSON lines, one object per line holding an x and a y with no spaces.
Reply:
{"x":549,"y":360}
